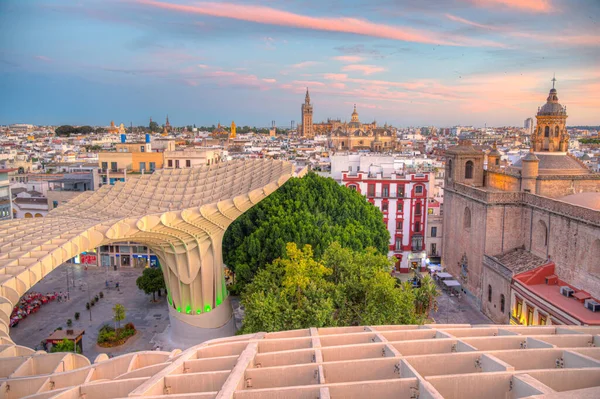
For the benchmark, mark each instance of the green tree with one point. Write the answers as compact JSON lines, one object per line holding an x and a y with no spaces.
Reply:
{"x":344,"y":288}
{"x":311,"y":210}
{"x":118,"y":314}
{"x":153,"y":126}
{"x":66,"y":345}
{"x":151,"y":281}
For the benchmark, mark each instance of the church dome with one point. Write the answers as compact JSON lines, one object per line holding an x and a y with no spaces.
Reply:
{"x":552,"y":106}
{"x":587,"y":200}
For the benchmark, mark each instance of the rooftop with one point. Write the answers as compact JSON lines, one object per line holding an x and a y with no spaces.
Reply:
{"x":535,"y":281}
{"x":403,"y":361}
{"x":520,"y":260}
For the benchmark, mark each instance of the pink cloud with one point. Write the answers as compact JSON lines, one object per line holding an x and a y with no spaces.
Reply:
{"x":523,"y":5}
{"x":364,"y":69}
{"x":337,"y":85}
{"x":202,"y":66}
{"x":269,"y":80}
{"x":348,"y":58}
{"x":335,"y":76}
{"x":305,"y":64}
{"x":43,"y":58}
{"x":271,"y":16}
{"x":467,"y":22}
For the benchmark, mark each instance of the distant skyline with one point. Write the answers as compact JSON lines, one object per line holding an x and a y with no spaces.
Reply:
{"x":407,"y":63}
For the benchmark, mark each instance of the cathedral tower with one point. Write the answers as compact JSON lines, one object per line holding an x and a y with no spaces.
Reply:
{"x":551,"y":131}
{"x":307,"y":118}
{"x":233,"y":130}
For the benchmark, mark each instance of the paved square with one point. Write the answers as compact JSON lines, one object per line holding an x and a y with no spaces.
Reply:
{"x":149,"y":318}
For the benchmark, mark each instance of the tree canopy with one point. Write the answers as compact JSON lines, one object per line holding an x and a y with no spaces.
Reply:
{"x":151,"y":281}
{"x":66,"y":345}
{"x":344,"y":288}
{"x":67,"y":130}
{"x":118,"y":314}
{"x":311,"y":210}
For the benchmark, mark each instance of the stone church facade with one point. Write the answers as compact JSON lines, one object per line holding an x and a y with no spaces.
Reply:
{"x":503,"y":221}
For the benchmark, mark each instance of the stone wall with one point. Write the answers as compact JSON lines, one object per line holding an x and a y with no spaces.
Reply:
{"x":560,"y":186}
{"x":502,"y":180}
{"x":501,"y":221}
{"x":499,"y":278}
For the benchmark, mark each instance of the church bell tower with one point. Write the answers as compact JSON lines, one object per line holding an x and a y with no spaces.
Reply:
{"x":307,"y":118}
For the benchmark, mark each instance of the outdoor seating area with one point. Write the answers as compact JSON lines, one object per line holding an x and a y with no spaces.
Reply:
{"x":27,"y":305}
{"x":445,"y":280}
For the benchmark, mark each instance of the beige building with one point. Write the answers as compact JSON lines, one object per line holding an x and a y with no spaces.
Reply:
{"x":192,"y":157}
{"x":547,"y":204}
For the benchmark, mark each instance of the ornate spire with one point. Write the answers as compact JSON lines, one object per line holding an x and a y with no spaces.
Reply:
{"x":307,"y":97}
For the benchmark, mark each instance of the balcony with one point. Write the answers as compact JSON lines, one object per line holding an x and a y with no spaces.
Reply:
{"x":380,"y":194}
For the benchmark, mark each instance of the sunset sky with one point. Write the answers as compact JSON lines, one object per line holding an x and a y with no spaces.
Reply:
{"x":408,"y":63}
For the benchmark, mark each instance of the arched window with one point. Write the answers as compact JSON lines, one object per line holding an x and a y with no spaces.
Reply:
{"x":418,"y":208}
{"x":28,"y":215}
{"x":502,"y":302}
{"x":450,"y":168}
{"x":489,"y":293}
{"x":352,"y":187}
{"x":547,"y":131}
{"x":540,"y":238}
{"x":467,"y":219}
{"x":469,"y":170}
{"x":38,"y":215}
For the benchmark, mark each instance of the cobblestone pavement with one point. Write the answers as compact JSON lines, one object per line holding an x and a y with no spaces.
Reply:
{"x":148,"y":317}
{"x":452,"y":310}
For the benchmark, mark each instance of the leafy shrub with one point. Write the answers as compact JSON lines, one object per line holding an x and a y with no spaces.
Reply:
{"x":69,"y":322}
{"x":129,"y":326}
{"x":77,"y":315}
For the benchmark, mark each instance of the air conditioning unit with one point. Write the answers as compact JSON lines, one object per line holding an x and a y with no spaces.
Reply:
{"x":566,"y":291}
{"x":592,"y":305}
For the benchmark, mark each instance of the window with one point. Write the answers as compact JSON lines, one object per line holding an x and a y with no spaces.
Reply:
{"x":434,"y":231}
{"x":371,"y":190}
{"x":433,"y":249}
{"x":349,"y":168}
{"x":489,"y":293}
{"x":502,"y":303}
{"x":386,"y":191}
{"x":400,"y":207}
{"x":384,"y":207}
{"x":542,"y":319}
{"x":170,"y":163}
{"x":177,"y":163}
{"x":417,"y":243}
{"x":398,"y":225}
{"x":529,"y":315}
{"x":400,"y":191}
{"x":142,"y":166}
{"x":547,"y":131}
{"x":143,"y":148}
{"x":469,"y":170}
{"x":104,"y":165}
{"x":152,"y":166}
{"x":418,"y":208}
{"x":450,"y":168}
{"x":497,"y":161}
{"x":467,"y":219}
{"x":113,"y":166}
{"x":519,"y":308}
{"x":419,"y":190}
{"x":188,"y":163}
{"x":417,"y":227}
{"x":352,"y":187}
{"x":398,"y":246}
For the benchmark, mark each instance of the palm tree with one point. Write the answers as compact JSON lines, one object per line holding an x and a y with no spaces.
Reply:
{"x":426,"y":297}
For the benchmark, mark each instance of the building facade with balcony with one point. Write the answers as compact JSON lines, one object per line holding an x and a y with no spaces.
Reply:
{"x":5,"y":195}
{"x":402,"y":198}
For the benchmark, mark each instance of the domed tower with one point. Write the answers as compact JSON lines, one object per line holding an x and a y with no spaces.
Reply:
{"x":551,"y":131}
{"x":494,"y":158}
{"x":354,"y":116}
{"x":529,"y":172}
